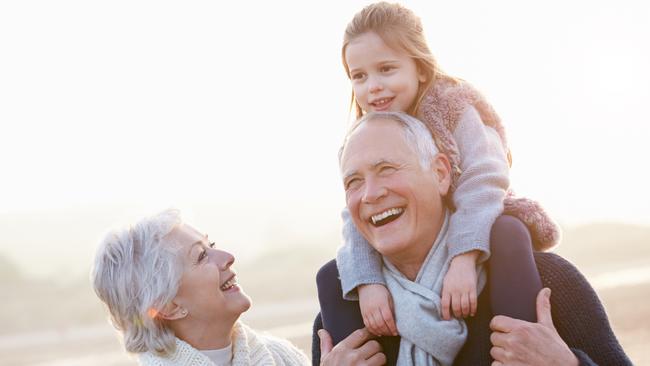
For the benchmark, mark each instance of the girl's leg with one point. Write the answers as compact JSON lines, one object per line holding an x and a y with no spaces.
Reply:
{"x":342,"y":317}
{"x":514,"y":280}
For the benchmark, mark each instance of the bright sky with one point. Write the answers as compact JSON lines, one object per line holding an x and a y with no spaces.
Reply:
{"x":242,"y":106}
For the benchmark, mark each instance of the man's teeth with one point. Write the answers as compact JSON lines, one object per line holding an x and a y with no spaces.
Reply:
{"x":230,"y":283}
{"x":393,"y":211}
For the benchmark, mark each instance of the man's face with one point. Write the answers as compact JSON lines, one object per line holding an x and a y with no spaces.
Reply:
{"x":394,"y":202}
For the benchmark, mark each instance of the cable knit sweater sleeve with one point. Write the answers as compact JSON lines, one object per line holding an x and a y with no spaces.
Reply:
{"x":358,"y":263}
{"x":481,"y":188}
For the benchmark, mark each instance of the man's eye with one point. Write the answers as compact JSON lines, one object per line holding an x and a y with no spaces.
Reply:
{"x":353,"y":183}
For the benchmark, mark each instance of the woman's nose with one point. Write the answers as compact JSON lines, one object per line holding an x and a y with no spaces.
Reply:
{"x":224,"y":259}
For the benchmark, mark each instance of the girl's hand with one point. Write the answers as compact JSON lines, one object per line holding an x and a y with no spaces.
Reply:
{"x":459,"y":286}
{"x":377,"y":309}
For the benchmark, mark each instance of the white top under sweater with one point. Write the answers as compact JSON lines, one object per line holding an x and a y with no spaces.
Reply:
{"x":221,"y":356}
{"x":248,"y":346}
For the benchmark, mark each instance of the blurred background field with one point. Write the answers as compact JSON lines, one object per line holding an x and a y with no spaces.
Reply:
{"x":62,"y":319}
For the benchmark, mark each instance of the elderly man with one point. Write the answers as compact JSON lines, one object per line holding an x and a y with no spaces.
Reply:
{"x":387,"y":164}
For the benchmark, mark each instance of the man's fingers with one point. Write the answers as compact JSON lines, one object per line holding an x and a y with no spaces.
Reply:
{"x":377,"y":359}
{"x":544,"y":308}
{"x":369,"y":349}
{"x":445,"y":303}
{"x":357,"y":338}
{"x":502,"y":323}
{"x":498,"y":354}
{"x":326,"y":343}
{"x":464,"y":304}
{"x":498,"y":339}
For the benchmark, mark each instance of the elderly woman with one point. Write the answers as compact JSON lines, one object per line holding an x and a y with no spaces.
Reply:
{"x":175,"y":298}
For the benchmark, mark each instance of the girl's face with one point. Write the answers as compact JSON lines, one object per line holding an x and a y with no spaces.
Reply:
{"x":383,"y":79}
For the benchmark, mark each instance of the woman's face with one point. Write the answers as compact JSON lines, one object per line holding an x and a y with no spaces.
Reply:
{"x":208,"y":290}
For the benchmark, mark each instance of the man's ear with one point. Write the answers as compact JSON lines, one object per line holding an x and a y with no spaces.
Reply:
{"x":442,"y":169}
{"x":172,"y":311}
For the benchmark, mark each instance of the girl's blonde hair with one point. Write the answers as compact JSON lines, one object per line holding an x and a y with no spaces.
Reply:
{"x":401,"y":30}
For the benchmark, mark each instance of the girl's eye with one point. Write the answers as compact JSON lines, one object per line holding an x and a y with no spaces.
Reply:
{"x":386,"y":68}
{"x":358,"y":76}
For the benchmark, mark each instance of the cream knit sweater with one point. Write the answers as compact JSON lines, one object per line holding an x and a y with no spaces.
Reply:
{"x":249,"y":348}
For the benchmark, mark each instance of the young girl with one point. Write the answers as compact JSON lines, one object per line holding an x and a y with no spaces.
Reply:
{"x":392,"y":69}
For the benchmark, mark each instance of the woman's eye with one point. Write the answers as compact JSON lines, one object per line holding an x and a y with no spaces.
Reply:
{"x":202,"y":256}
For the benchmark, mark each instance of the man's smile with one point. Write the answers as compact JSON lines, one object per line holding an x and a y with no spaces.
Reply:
{"x":386,"y":216}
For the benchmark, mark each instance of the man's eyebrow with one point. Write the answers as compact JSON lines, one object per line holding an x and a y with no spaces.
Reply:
{"x":379,"y":162}
{"x":383,"y":161}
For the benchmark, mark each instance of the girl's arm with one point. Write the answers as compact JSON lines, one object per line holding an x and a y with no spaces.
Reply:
{"x":358,"y":263}
{"x":481,"y":187}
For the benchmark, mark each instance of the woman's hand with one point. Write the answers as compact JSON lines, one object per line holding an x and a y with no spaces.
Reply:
{"x":376,"y":306}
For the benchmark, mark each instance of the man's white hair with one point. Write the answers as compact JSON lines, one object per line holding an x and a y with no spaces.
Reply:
{"x":135,"y":273}
{"x":416,"y":134}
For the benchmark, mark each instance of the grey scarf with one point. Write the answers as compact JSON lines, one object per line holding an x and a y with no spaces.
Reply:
{"x":427,"y":340}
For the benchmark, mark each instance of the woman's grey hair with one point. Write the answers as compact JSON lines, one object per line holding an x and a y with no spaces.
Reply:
{"x":136,"y":272}
{"x":416,"y":134}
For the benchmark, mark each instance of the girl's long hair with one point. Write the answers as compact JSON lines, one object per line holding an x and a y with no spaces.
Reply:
{"x":401,"y":30}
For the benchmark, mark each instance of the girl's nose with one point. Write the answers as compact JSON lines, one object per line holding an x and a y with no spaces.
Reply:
{"x":375,"y":85}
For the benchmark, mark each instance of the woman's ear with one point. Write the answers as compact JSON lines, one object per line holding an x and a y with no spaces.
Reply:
{"x":172,"y":311}
{"x":442,"y":168}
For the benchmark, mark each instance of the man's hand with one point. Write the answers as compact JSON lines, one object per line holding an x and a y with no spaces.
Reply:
{"x":518,"y":342}
{"x":377,"y":309}
{"x":356,"y":349}
{"x":459,"y":287}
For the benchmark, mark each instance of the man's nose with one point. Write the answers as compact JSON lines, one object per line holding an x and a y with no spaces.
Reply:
{"x":374,"y":191}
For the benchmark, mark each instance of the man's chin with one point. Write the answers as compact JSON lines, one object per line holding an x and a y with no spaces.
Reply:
{"x":388,"y":247}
